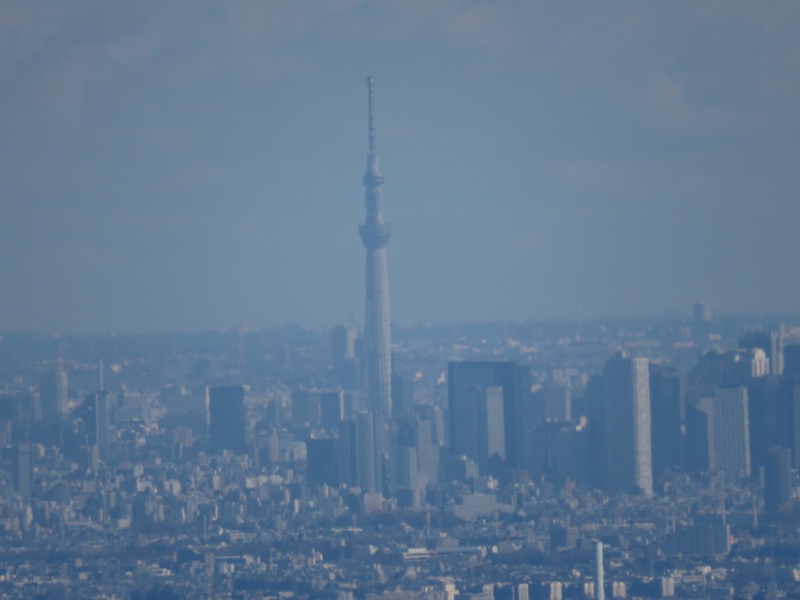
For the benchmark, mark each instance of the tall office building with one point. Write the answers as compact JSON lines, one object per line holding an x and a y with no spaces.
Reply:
{"x":778,"y":479}
{"x":700,"y":437}
{"x":359,"y":458}
{"x":731,"y":423}
{"x":54,"y":394}
{"x":402,"y":394}
{"x":343,"y":355}
{"x":368,"y":456}
{"x":321,"y":460}
{"x":375,"y":237}
{"x":665,"y":413}
{"x":347,"y":453}
{"x":771,"y":417}
{"x":484,"y":400}
{"x":226,"y":421}
{"x":627,"y":425}
{"x":791,"y":361}
{"x":23,"y":469}
{"x":417,"y":433}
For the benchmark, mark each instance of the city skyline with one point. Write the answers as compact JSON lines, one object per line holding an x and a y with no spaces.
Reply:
{"x":184,"y":167}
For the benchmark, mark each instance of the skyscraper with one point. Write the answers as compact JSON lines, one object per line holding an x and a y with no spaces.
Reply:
{"x":54,"y":392}
{"x":778,"y":478}
{"x":484,"y":400}
{"x":226,"y":419}
{"x":321,"y":461}
{"x":665,"y":414}
{"x":375,"y":237}
{"x":23,"y":469}
{"x":402,"y":394}
{"x":627,"y":425}
{"x":368,"y":467}
{"x":731,"y":424}
{"x":358,"y":456}
{"x":700,"y":436}
{"x":343,"y":353}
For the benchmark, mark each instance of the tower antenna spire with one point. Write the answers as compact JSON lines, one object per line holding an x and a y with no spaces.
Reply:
{"x":375,"y":234}
{"x":370,"y":83}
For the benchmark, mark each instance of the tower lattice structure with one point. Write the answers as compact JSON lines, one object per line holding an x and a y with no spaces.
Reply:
{"x":375,"y":234}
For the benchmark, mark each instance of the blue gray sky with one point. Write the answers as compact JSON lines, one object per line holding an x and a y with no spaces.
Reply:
{"x":197,"y":164}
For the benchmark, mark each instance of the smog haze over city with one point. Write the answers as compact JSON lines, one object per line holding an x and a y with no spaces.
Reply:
{"x":192,"y":165}
{"x":586,"y":384}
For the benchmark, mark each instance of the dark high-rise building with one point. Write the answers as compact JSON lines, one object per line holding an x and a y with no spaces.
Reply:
{"x":665,"y":413}
{"x":375,"y":234}
{"x":627,"y":425}
{"x":226,"y":422}
{"x":700,"y":437}
{"x":771,"y":416}
{"x":402,"y":395}
{"x":360,"y":461}
{"x":778,"y":479}
{"x":791,"y":357}
{"x":23,"y":469}
{"x":346,"y":457}
{"x":321,"y":460}
{"x":563,"y":450}
{"x":478,"y":394}
{"x":731,"y":424}
{"x":368,"y":461}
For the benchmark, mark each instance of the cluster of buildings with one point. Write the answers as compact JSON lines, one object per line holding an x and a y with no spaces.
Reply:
{"x":250,"y":465}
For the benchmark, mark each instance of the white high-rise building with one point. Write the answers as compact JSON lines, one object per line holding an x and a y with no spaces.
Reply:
{"x":599,"y":579}
{"x":626,"y":409}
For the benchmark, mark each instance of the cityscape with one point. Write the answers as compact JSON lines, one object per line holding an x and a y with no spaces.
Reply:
{"x":641,"y":458}
{"x":252,"y":464}
{"x":564,"y":366}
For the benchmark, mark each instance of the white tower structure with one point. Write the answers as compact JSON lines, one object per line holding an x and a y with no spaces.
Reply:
{"x":375,"y":234}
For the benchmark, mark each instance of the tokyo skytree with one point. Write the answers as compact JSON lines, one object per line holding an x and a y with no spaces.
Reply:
{"x":375,"y":236}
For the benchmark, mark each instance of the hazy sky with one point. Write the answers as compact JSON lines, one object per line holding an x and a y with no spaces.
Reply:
{"x":197,"y":164}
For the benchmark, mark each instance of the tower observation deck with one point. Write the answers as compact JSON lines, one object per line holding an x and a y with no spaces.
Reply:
{"x":375,"y":234}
